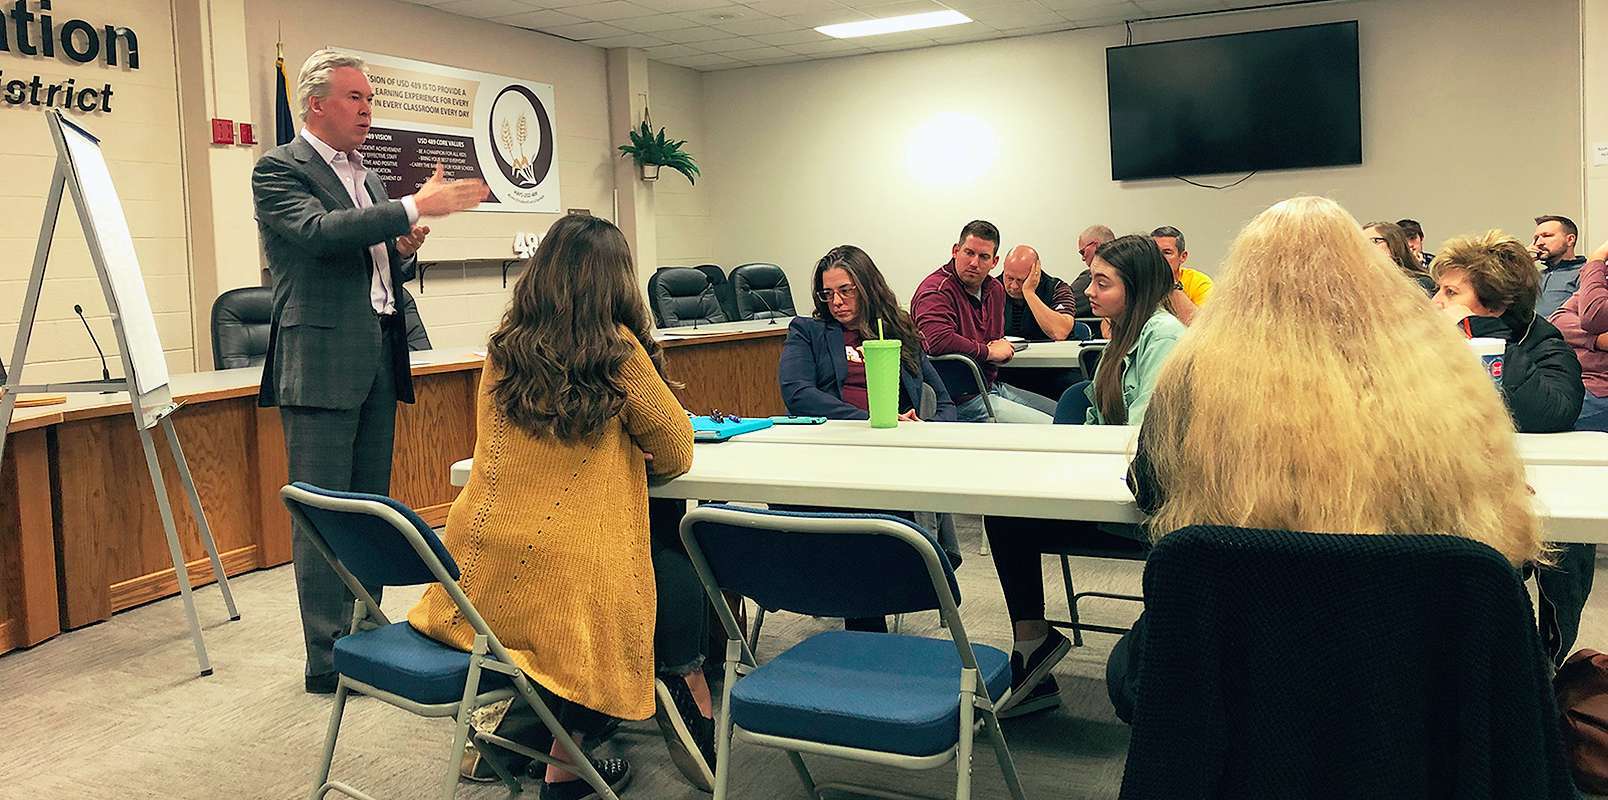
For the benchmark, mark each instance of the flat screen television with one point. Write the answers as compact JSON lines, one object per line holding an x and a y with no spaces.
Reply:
{"x":1276,"y":99}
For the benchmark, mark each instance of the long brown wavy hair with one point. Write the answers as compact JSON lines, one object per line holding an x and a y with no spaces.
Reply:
{"x":876,"y":302}
{"x":559,"y":348}
{"x":1146,"y":282}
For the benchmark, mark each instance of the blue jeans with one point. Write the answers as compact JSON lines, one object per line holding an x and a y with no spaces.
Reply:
{"x":1010,"y":405}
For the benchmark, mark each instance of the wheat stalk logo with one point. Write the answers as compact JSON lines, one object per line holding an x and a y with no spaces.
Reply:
{"x":520,"y":133}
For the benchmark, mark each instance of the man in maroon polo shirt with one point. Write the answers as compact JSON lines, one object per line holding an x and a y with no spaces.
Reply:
{"x":960,"y":308}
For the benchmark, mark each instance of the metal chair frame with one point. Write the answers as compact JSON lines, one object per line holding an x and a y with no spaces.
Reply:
{"x":977,"y":711}
{"x":487,"y":653}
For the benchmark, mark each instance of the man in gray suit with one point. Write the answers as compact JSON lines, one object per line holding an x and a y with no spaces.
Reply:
{"x":337,"y":350}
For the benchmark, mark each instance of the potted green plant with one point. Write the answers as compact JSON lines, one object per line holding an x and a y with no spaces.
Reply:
{"x":651,"y":151}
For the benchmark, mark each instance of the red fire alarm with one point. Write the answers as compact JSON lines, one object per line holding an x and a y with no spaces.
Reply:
{"x":223,"y":131}
{"x":247,"y":134}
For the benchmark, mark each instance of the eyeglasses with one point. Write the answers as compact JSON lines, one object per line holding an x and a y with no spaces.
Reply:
{"x":847,"y":293}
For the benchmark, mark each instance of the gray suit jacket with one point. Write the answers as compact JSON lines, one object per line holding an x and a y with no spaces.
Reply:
{"x":322,"y":343}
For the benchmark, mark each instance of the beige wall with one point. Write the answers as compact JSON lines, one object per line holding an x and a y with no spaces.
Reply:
{"x":684,"y":233}
{"x":807,"y":156}
{"x":141,"y":144}
{"x":462,"y":301}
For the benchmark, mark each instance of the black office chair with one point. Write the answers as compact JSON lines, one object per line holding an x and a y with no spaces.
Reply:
{"x":418,"y":337}
{"x":1089,"y":360}
{"x":717,"y":279}
{"x":240,"y":322}
{"x":682,"y":296}
{"x":762,"y":292}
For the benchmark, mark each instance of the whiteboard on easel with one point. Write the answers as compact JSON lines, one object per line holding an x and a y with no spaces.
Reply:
{"x":112,"y":246}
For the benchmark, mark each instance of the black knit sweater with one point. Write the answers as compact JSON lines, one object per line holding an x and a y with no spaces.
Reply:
{"x":1292,"y":665}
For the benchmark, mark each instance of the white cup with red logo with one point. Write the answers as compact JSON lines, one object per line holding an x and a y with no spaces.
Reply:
{"x":1490,"y":352}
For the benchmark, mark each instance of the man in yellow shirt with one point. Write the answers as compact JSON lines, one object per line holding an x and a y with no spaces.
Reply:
{"x":1190,"y":287}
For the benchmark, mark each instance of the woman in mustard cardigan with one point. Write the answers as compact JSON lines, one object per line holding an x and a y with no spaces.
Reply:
{"x":551,"y":533}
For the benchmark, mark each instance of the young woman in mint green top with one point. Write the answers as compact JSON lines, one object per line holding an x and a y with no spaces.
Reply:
{"x":1129,"y":282}
{"x":1129,"y":285}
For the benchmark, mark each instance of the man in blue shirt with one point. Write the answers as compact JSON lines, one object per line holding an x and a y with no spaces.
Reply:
{"x":1554,"y":247}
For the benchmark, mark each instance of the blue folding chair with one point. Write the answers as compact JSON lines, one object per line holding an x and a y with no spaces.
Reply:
{"x":376,"y":540}
{"x":882,"y":698}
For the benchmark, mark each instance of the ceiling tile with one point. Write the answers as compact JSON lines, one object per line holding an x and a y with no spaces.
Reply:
{"x":793,"y":37}
{"x":758,"y":25}
{"x":681,"y":5}
{"x":691,"y":35}
{"x":890,"y":47}
{"x":705,"y":60}
{"x":967,"y":6}
{"x":653,"y":24}
{"x":892,"y":39}
{"x":832,"y":46}
{"x":642,"y":40}
{"x":602,"y":12}
{"x":728,"y":12}
{"x":1017,"y":15}
{"x":665,"y":52}
{"x":970,"y":32}
{"x":586,"y":30}
{"x":903,"y":8}
{"x":815,"y":18}
{"x":1050,"y":27}
{"x":761,"y":53}
{"x":1155,"y":7}
{"x":727,"y":45}
{"x":793,"y":8}
{"x":1092,"y":8}
{"x":539,"y":20}
{"x":483,"y":8}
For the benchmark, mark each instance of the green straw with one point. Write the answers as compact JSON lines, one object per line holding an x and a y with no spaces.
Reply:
{"x":879,"y":330}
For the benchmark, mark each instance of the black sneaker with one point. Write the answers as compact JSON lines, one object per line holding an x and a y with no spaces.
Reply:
{"x":1044,"y":695}
{"x":689,"y":735}
{"x":616,"y":772}
{"x":1027,"y":674}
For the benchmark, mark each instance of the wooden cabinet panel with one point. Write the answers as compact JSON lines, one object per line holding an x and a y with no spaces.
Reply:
{"x":29,"y":613}
{"x":114,"y":553}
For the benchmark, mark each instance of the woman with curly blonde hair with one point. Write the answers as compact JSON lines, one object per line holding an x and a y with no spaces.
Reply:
{"x":1319,"y":392}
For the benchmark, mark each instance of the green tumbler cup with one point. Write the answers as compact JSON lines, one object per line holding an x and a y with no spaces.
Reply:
{"x":882,"y":381}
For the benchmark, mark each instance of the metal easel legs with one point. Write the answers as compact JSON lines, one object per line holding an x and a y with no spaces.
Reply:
{"x":180,"y":571}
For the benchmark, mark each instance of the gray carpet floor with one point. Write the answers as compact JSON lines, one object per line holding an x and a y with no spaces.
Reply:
{"x":116,"y":710}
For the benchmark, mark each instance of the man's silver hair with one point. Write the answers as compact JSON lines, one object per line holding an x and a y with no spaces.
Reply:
{"x":314,"y":79}
{"x":1099,"y":234}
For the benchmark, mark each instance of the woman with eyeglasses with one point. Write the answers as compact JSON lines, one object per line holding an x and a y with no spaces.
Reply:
{"x":1391,"y":239}
{"x":822,"y":371}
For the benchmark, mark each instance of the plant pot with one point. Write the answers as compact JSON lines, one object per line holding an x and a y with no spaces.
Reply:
{"x":650,"y":172}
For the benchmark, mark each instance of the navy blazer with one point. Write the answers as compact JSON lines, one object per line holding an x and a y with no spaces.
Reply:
{"x":814,"y":365}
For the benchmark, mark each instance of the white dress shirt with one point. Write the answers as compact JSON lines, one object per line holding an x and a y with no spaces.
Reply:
{"x":348,"y":168}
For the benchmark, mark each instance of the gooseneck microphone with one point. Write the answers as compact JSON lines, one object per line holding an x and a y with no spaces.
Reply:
{"x":106,"y":374}
{"x":760,"y":296}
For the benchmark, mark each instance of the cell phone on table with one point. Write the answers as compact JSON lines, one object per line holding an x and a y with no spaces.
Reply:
{"x":789,"y":419}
